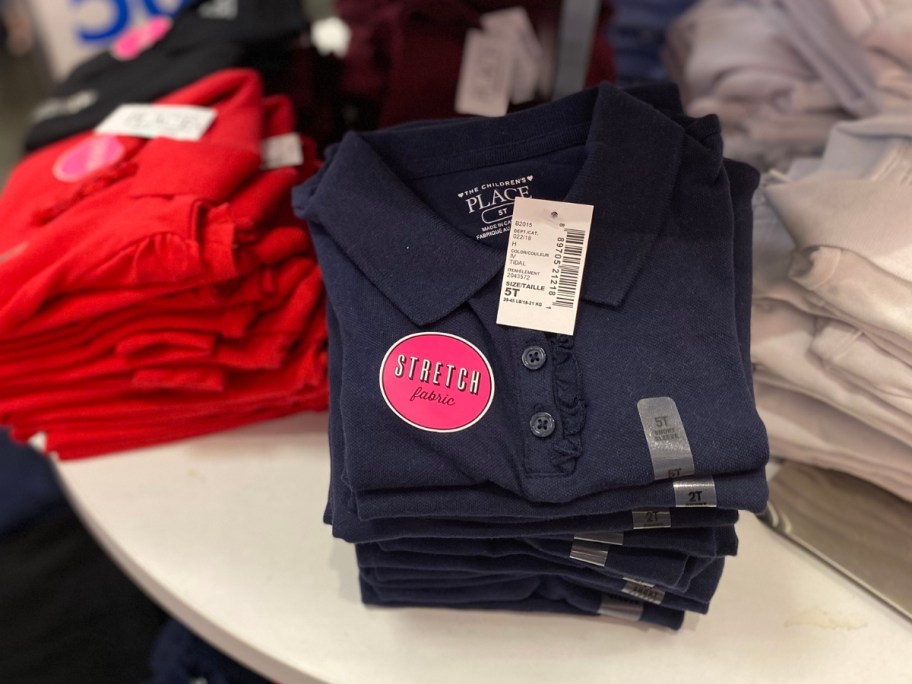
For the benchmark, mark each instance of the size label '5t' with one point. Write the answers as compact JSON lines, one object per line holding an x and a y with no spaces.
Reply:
{"x":544,"y":268}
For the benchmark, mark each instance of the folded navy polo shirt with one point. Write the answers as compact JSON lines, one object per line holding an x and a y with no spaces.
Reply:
{"x":551,"y":597}
{"x":743,"y":180}
{"x":696,"y":598}
{"x":708,"y":542}
{"x":725,"y":544}
{"x":685,"y":523}
{"x":401,"y":253}
{"x":672,"y":571}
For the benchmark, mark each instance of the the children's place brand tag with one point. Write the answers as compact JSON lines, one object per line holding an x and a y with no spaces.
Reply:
{"x":492,"y":203}
{"x":437,"y":382}
{"x":180,"y":122}
{"x":485,"y":77}
{"x":281,"y":150}
{"x":544,"y":269}
{"x":88,"y":157}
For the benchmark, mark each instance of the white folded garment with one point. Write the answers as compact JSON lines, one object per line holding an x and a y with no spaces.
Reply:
{"x":851,"y":288}
{"x":738,"y":37}
{"x":806,"y":430}
{"x":892,"y":37}
{"x":773,"y":248}
{"x":730,"y":58}
{"x":814,"y":31}
{"x":867,"y":22}
{"x":850,"y":219}
{"x":848,"y":353}
{"x":781,"y":338}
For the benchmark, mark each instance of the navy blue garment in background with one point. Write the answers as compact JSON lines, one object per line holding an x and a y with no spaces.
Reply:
{"x":637,"y":34}
{"x":28,"y":487}
{"x":181,"y":656}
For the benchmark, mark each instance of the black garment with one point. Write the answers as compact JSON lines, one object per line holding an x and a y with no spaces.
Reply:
{"x":67,"y":613}
{"x":200,"y":42}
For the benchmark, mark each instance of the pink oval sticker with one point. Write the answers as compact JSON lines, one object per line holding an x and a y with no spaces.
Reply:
{"x":437,"y":382}
{"x":137,"y":40}
{"x":87,"y":157}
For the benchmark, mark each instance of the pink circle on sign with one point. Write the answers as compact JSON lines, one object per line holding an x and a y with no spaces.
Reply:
{"x":87,"y":157}
{"x":437,"y":381}
{"x":137,"y":40}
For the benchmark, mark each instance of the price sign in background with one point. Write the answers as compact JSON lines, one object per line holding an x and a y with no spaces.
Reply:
{"x":72,"y":30}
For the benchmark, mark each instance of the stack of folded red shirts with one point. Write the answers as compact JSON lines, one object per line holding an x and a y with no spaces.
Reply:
{"x":404,"y":58}
{"x":156,"y":289}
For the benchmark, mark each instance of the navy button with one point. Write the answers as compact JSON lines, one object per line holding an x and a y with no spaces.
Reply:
{"x":534,"y":358}
{"x":542,"y":424}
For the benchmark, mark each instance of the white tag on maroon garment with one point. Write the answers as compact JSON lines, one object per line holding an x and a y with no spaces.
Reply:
{"x":485,"y":76}
{"x":544,"y":268}
{"x":513,"y":25}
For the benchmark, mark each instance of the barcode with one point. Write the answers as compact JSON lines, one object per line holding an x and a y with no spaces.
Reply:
{"x":570,"y":268}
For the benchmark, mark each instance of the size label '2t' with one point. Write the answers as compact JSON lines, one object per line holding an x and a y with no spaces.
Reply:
{"x":695,"y":492}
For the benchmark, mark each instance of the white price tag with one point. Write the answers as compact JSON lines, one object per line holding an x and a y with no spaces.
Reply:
{"x":180,"y":122}
{"x":281,"y":150}
{"x":514,"y":27}
{"x":544,"y":269}
{"x":485,"y":75}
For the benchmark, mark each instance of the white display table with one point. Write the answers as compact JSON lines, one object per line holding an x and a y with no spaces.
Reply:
{"x":226,"y":533}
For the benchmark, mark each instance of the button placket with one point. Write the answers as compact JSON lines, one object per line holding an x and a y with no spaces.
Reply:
{"x":537,"y":402}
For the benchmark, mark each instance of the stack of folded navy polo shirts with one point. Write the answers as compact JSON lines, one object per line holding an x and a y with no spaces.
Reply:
{"x":158,"y":289}
{"x":484,"y":466}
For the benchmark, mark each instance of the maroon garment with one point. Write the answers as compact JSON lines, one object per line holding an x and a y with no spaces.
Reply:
{"x":405,"y":55}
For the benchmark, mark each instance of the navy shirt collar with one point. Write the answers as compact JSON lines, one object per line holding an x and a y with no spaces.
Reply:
{"x":428,"y":268}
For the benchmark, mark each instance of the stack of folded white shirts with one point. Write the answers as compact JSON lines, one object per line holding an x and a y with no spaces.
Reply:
{"x":832,"y":334}
{"x":781,"y":73}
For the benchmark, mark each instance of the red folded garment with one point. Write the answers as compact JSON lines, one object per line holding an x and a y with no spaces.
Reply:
{"x":168,"y":292}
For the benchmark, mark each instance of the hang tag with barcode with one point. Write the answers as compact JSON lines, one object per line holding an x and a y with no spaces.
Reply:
{"x":179,"y":122}
{"x":544,"y":268}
